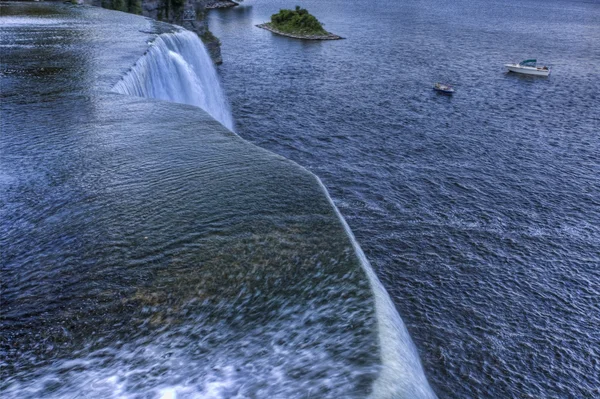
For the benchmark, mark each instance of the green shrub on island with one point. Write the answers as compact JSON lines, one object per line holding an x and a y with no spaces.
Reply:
{"x":297,"y":21}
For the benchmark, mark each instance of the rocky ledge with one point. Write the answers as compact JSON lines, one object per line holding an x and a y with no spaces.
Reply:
{"x":221,"y":4}
{"x":328,"y":36}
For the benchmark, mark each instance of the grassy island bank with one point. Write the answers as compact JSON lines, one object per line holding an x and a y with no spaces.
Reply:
{"x":298,"y":24}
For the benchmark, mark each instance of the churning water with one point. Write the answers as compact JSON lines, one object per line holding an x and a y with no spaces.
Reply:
{"x":149,"y":252}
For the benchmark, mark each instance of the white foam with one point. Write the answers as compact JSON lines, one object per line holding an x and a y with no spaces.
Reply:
{"x":28,"y":21}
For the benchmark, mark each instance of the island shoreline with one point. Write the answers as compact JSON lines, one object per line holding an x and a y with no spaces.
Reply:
{"x":329,"y":36}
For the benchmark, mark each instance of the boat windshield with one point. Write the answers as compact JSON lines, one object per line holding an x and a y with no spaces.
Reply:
{"x":528,"y":63}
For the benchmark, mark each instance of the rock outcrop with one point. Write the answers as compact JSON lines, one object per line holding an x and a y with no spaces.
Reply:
{"x":212,"y":4}
{"x":190,"y":14}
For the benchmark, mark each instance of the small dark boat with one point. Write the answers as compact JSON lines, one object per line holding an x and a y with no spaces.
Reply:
{"x":443,"y":88}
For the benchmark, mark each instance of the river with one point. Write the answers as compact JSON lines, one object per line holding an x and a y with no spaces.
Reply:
{"x":479,"y":212}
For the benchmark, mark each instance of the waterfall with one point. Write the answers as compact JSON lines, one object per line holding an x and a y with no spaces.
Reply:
{"x":177,"y":68}
{"x":402,"y":375}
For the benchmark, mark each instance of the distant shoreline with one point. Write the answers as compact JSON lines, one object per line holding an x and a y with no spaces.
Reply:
{"x":329,"y":36}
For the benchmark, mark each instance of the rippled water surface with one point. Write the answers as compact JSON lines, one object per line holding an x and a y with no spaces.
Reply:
{"x":149,"y":252}
{"x":480,"y":212}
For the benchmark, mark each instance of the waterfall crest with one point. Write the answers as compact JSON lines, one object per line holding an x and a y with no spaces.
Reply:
{"x":402,"y":375}
{"x":178,"y":68}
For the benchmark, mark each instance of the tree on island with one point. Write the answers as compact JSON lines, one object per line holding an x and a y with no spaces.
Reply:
{"x":297,"y":21}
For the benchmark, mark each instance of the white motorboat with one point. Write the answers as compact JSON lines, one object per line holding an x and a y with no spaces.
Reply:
{"x":528,"y":67}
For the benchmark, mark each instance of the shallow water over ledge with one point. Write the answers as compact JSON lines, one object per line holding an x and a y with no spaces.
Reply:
{"x":148,"y":251}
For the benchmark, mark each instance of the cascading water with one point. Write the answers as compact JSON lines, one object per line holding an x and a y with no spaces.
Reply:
{"x":166,"y":263}
{"x":402,"y":375}
{"x":177,"y":68}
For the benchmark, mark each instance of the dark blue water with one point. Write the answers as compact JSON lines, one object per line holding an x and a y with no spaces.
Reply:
{"x":480,"y":212}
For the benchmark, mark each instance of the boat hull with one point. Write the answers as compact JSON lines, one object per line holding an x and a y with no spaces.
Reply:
{"x":527,"y":70}
{"x":442,"y":88}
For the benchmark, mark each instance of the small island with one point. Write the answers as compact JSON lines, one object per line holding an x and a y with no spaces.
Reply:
{"x":298,"y":24}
